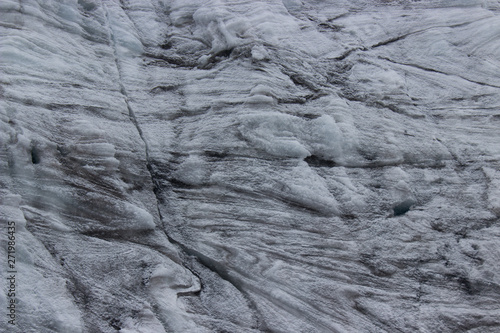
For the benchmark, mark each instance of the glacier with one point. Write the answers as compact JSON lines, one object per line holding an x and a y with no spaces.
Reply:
{"x":251,"y":166}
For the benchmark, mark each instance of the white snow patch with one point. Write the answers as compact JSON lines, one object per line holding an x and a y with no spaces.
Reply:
{"x":288,"y":136}
{"x":259,"y":53}
{"x":165,"y":282}
{"x":192,"y":171}
{"x":308,"y":189}
{"x":223,"y":28}
{"x":139,"y":219}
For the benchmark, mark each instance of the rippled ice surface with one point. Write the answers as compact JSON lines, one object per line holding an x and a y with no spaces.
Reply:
{"x":252,"y":166}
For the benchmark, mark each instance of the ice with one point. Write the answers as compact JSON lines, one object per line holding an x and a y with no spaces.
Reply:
{"x":251,"y":166}
{"x":289,"y":136}
{"x":164,"y":284}
{"x":122,"y":33}
{"x":144,"y":322}
{"x":192,"y":171}
{"x":259,"y":53}
{"x":275,"y":134}
{"x":308,"y":190}
{"x":493,"y":189}
{"x":10,"y":209}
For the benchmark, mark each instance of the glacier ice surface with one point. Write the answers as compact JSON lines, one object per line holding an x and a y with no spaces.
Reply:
{"x":251,"y":166}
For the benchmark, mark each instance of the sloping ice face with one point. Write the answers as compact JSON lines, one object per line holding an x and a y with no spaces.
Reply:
{"x":251,"y":166}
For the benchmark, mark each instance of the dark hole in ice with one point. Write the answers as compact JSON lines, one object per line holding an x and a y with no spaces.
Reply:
{"x":215,"y":154}
{"x":224,"y":53}
{"x":35,"y":155}
{"x":166,"y":45}
{"x":310,"y":116}
{"x":159,"y":89}
{"x":402,"y":208}
{"x":317,"y":161}
{"x":115,"y":323}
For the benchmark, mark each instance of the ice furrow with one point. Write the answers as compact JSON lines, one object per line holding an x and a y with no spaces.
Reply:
{"x":427,"y":69}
